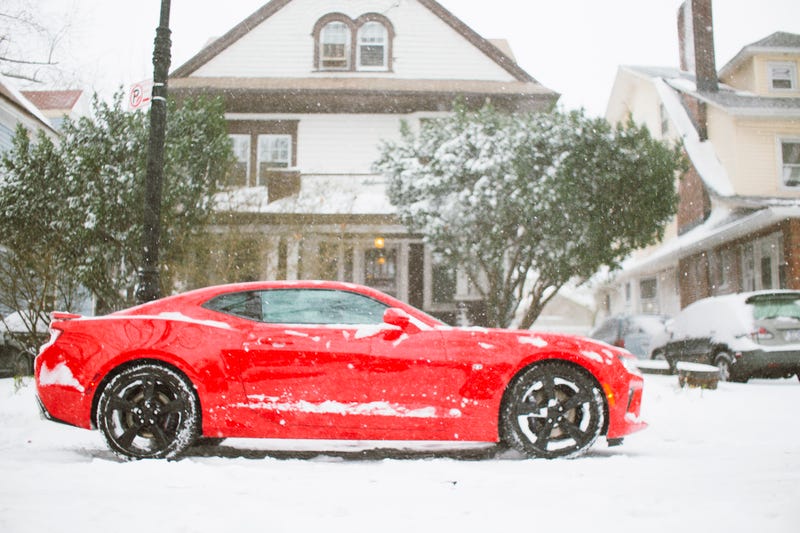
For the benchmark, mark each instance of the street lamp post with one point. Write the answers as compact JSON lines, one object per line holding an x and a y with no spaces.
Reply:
{"x":148,"y":287}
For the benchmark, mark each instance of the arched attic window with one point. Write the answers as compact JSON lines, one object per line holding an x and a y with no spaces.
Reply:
{"x":333,"y":37}
{"x":373,"y":48}
{"x":343,"y":44}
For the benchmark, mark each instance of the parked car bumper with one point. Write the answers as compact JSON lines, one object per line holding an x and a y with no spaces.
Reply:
{"x":768,"y":363}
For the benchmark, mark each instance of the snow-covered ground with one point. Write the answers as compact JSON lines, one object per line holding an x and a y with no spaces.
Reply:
{"x":725,"y":460}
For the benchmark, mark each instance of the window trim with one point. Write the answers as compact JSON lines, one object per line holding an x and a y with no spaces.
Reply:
{"x":782,"y":165}
{"x":772,"y":66}
{"x":255,"y":128}
{"x":261,"y":180}
{"x":353,"y":49}
{"x":384,"y":45}
{"x":248,"y":141}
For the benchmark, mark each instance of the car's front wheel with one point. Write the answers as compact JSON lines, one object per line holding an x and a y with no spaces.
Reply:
{"x":148,"y":411}
{"x":552,"y":409}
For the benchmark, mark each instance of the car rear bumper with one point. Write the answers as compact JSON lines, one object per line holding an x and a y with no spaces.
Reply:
{"x":767,"y":363}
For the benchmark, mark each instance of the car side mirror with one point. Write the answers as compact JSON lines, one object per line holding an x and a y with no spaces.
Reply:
{"x":395,"y":316}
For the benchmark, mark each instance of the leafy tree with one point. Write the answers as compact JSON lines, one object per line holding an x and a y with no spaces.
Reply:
{"x":525,"y":203}
{"x":108,"y":156}
{"x":33,"y":258}
{"x":72,"y":213}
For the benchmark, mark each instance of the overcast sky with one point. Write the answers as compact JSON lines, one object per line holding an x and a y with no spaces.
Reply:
{"x":571,"y":46}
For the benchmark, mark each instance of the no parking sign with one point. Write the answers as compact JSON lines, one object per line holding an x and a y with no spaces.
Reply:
{"x":140,"y":94}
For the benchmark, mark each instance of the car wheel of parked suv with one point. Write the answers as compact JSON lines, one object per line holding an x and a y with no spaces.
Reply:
{"x":723,"y":363}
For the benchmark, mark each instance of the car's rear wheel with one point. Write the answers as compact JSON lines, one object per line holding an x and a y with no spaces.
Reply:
{"x":552,"y":410}
{"x":148,"y":411}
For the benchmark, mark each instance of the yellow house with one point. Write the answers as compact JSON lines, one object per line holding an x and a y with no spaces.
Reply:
{"x":738,"y":222}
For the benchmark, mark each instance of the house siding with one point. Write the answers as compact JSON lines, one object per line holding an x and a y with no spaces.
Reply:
{"x":750,"y":151}
{"x":432,"y":50}
{"x":333,"y":144}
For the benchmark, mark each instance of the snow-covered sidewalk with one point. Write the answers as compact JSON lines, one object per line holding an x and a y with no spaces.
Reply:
{"x":725,"y":460}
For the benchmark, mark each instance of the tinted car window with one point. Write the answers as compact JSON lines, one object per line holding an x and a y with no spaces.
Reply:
{"x":242,"y":304}
{"x":320,"y":306}
{"x":300,"y":306}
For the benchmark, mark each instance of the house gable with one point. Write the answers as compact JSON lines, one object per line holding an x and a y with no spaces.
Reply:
{"x":277,"y":41}
{"x":753,"y":67}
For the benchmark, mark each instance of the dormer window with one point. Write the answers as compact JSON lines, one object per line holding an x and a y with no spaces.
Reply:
{"x":353,"y":45}
{"x":782,"y":76}
{"x":372,"y":43}
{"x":335,"y":46}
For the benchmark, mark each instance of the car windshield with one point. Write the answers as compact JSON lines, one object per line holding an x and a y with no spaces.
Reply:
{"x":772,"y":308}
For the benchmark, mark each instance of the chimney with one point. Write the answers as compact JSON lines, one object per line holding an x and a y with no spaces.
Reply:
{"x":696,"y":37}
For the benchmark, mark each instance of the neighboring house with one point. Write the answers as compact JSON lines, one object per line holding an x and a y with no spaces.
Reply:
{"x":16,"y":109}
{"x":311,"y":88}
{"x":738,"y":222}
{"x":58,"y":105}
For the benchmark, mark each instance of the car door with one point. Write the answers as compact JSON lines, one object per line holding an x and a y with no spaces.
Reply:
{"x":413,"y":385}
{"x":301,"y":360}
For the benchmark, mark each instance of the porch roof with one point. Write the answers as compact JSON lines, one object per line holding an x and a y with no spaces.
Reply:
{"x":344,"y":194}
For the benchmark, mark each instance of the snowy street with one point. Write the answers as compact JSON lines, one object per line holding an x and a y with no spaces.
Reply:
{"x":711,"y":460}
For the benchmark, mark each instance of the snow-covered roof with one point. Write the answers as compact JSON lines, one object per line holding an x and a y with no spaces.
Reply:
{"x":56,"y":100}
{"x":723,"y":225}
{"x":778,"y":42}
{"x":701,"y":152}
{"x":17,"y":99}
{"x":318,"y":195}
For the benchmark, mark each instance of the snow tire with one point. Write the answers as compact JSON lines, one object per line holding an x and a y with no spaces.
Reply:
{"x":552,"y":409}
{"x":148,"y":411}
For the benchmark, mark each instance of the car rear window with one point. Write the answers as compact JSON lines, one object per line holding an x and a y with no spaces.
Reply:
{"x":780,"y":307}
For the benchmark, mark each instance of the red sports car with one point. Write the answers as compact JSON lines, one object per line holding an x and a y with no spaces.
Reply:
{"x":326,"y":360}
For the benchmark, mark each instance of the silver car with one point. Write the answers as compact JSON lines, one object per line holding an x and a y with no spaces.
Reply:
{"x":754,"y":334}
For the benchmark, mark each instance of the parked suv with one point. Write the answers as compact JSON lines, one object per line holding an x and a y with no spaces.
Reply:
{"x":632,"y":332}
{"x":754,"y":334}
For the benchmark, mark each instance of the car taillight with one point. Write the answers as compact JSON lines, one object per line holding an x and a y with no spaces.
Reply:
{"x":761,"y":335}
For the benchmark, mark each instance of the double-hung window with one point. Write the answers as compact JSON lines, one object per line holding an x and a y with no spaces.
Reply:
{"x":363,"y":44}
{"x":335,"y":46}
{"x":782,"y":76}
{"x":274,"y":152}
{"x":790,"y":162}
{"x":373,"y":41}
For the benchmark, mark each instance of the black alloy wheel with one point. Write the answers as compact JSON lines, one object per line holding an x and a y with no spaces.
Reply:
{"x":148,"y":411}
{"x":551,"y":410}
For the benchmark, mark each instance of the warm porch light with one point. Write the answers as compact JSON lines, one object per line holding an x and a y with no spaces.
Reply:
{"x":379,"y":242}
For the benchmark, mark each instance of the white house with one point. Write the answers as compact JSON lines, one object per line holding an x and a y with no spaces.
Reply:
{"x":310,"y":89}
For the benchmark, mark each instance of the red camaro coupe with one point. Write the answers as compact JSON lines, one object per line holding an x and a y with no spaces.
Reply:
{"x":326,"y":360}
